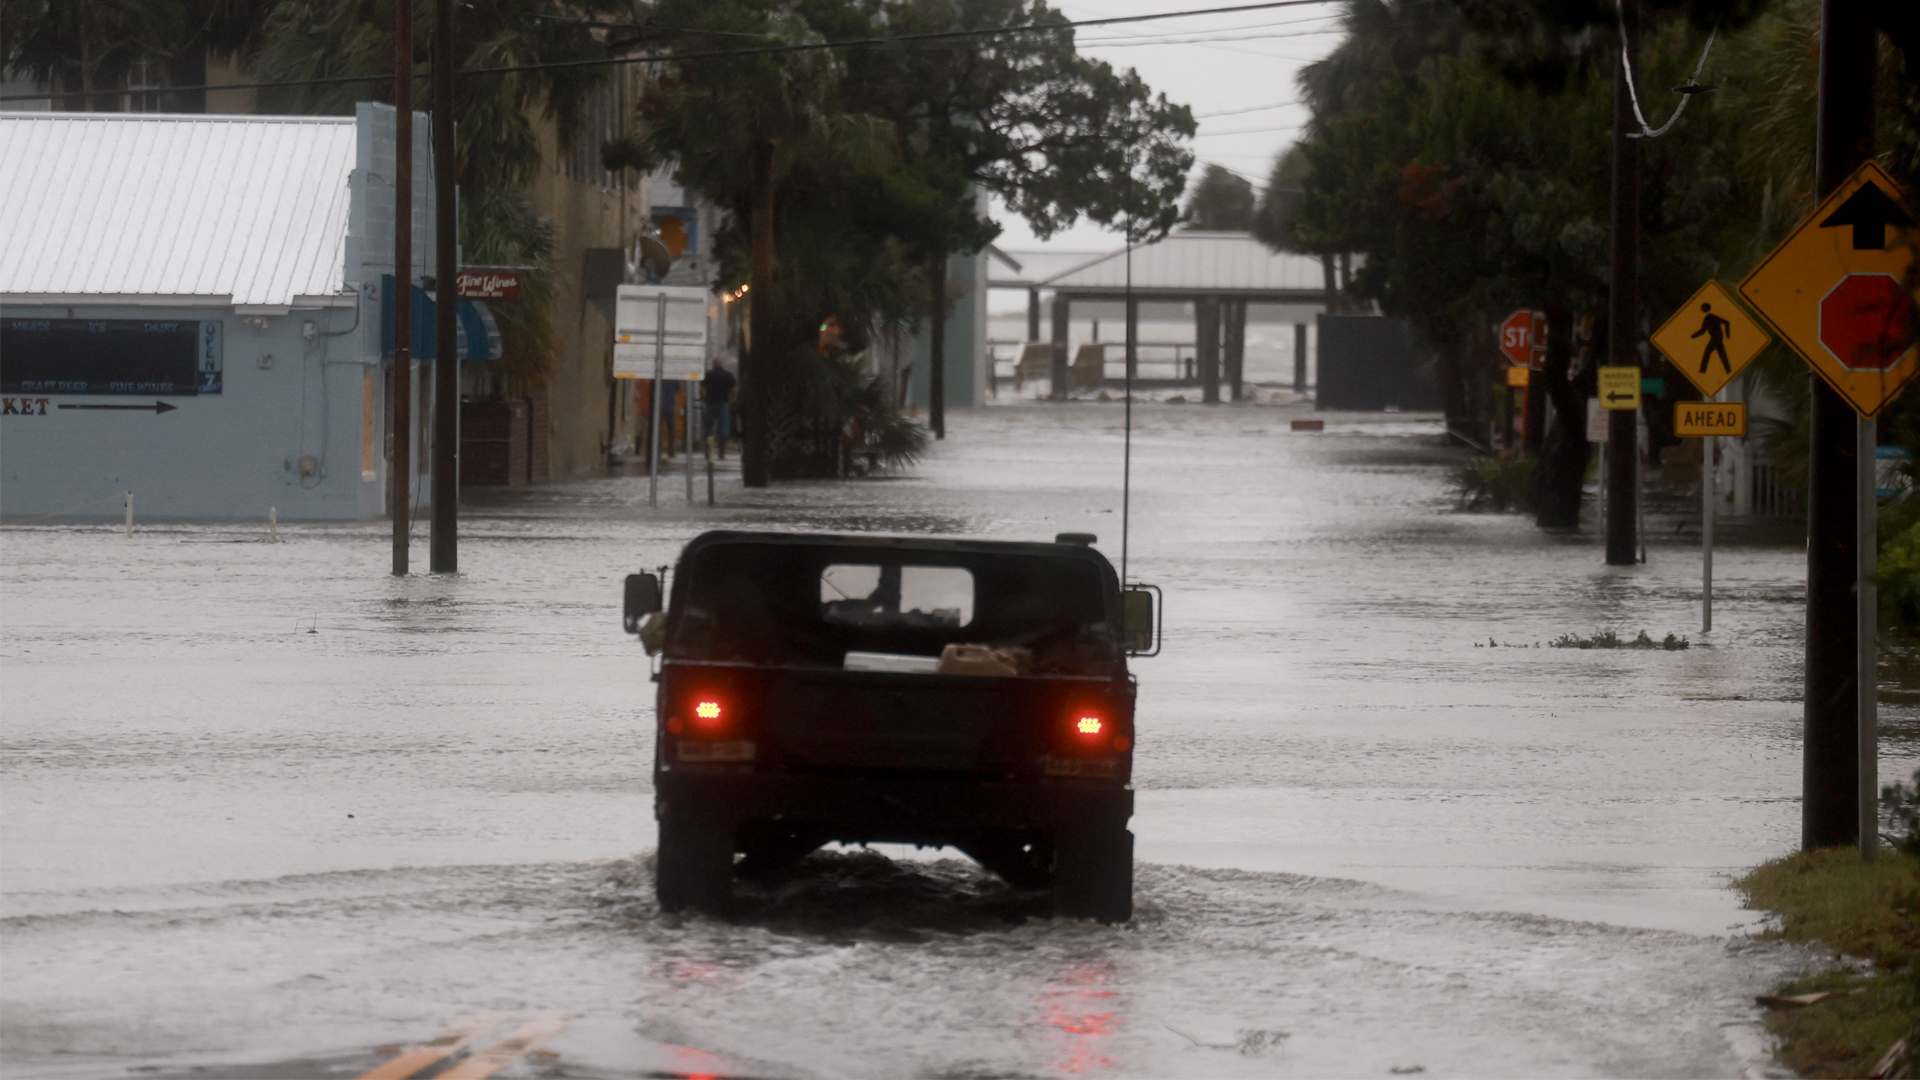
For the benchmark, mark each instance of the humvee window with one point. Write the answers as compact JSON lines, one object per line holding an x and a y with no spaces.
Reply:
{"x":921,"y":596}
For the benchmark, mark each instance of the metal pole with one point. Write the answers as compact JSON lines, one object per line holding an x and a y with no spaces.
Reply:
{"x":1869,"y":677}
{"x":1831,"y":809}
{"x":129,"y":496}
{"x":1623,"y":306}
{"x":443,"y":537}
{"x":1639,"y":484}
{"x":401,"y":471}
{"x":659,"y":377}
{"x":689,"y":413}
{"x":1706,"y":534}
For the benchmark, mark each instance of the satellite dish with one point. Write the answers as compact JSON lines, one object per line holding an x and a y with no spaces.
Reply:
{"x":654,"y":256}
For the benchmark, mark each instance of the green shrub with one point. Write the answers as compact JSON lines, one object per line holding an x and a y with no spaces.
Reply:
{"x":1491,"y":484}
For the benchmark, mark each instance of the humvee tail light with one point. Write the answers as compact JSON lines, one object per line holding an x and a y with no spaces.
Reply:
{"x":707,"y":710}
{"x":1088,"y":725}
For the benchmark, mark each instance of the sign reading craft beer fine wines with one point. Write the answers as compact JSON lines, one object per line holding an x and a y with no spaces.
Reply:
{"x":1836,"y":290}
{"x":487,"y":283}
{"x":1710,"y":339}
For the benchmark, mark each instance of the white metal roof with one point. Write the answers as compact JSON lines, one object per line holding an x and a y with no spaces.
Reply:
{"x":1198,"y":262}
{"x":116,"y":207}
{"x":1035,"y":266}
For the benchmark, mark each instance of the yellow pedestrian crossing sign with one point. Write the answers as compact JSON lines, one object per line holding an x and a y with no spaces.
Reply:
{"x":1711,"y":338}
{"x":1619,"y":388}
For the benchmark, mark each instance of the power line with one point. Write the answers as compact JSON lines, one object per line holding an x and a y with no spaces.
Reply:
{"x":1248,"y":109}
{"x":714,"y":54}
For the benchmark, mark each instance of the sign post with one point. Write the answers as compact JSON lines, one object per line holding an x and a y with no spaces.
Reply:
{"x":653,"y":424}
{"x":1834,"y":290}
{"x":1707,"y":421}
{"x":662,"y":324}
{"x":1732,"y":338}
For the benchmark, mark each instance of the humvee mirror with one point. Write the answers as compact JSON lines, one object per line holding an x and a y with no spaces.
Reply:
{"x":1140,"y":626}
{"x":642,"y":600}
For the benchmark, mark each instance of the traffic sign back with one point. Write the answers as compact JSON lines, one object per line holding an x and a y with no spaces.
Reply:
{"x":1834,"y":289}
{"x":1710,"y":338}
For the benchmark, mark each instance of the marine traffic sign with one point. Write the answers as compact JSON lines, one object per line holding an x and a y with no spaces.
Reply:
{"x":1834,"y":289}
{"x":1619,"y":388}
{"x":1711,"y":338}
{"x":1695,"y":419}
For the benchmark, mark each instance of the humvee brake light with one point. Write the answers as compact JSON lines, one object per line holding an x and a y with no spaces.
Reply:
{"x":707,"y":713}
{"x":1088,"y":725}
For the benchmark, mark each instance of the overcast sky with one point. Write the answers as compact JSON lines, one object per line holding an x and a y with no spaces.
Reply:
{"x":1235,"y":71}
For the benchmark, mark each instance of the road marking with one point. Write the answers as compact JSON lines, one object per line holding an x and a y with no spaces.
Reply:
{"x":434,"y":1050}
{"x":501,"y":1054}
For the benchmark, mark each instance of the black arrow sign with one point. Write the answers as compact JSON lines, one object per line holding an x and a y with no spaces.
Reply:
{"x":156,"y":408}
{"x":1615,"y":395}
{"x":1869,"y":210}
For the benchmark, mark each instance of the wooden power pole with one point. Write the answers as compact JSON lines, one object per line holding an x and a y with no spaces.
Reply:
{"x":400,"y":424}
{"x":443,"y":544}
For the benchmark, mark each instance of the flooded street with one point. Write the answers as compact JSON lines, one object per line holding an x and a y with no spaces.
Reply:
{"x":266,"y":804}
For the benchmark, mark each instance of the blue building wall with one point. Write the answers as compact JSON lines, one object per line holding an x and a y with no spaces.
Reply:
{"x":232,"y":455}
{"x":966,"y":339}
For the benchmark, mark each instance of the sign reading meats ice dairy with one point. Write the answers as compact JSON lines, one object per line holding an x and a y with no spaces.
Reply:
{"x":488,"y":284}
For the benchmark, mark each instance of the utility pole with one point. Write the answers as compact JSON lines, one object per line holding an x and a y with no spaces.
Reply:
{"x":1623,"y":304}
{"x":400,"y":473}
{"x":757,"y":372}
{"x":443,"y":543}
{"x":1833,"y":803}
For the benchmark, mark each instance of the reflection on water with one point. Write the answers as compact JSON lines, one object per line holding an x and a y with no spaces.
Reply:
{"x":1082,"y":1011}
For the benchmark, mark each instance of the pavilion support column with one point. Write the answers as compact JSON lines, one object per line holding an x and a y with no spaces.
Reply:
{"x":1299,"y":358}
{"x":1236,"y":347}
{"x":1033,"y":314}
{"x":1062,"y":310}
{"x":1206,"y":317}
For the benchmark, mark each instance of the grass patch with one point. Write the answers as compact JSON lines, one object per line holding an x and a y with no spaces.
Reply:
{"x":1607,"y":639}
{"x":1870,"y":911}
{"x":1491,"y":484}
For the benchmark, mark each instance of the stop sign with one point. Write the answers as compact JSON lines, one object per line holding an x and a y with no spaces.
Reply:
{"x":1867,"y":321}
{"x":1516,"y":338}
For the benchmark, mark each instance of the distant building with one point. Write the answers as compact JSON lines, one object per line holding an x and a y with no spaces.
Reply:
{"x":197,"y":309}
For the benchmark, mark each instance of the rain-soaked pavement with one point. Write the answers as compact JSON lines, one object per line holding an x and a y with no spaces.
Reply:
{"x":268,"y":810}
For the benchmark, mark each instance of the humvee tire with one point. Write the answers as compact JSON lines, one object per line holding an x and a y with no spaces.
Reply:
{"x":693,"y":868}
{"x":1093,"y":876}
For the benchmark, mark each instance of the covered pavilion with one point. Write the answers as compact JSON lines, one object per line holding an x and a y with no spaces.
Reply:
{"x":1219,"y":272}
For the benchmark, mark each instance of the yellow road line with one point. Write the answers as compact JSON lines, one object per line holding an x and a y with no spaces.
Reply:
{"x":501,"y":1054}
{"x":434,"y":1050}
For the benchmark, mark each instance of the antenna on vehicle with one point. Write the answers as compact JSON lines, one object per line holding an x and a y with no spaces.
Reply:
{"x":1129,"y":318}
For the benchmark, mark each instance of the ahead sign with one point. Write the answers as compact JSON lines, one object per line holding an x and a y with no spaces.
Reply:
{"x":1696,"y":419}
{"x":1834,"y":289}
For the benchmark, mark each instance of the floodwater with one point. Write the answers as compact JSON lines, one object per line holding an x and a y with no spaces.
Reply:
{"x":268,"y":809}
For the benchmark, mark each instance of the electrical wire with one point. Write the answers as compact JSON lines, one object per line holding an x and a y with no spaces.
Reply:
{"x":1249,"y":109}
{"x":714,"y":54}
{"x":1633,"y":93}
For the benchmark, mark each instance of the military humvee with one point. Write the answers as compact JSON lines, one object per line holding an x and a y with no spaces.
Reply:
{"x":969,"y":693}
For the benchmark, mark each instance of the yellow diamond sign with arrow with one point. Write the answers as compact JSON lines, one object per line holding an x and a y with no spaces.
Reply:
{"x":1836,"y":289}
{"x":1710,"y":338}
